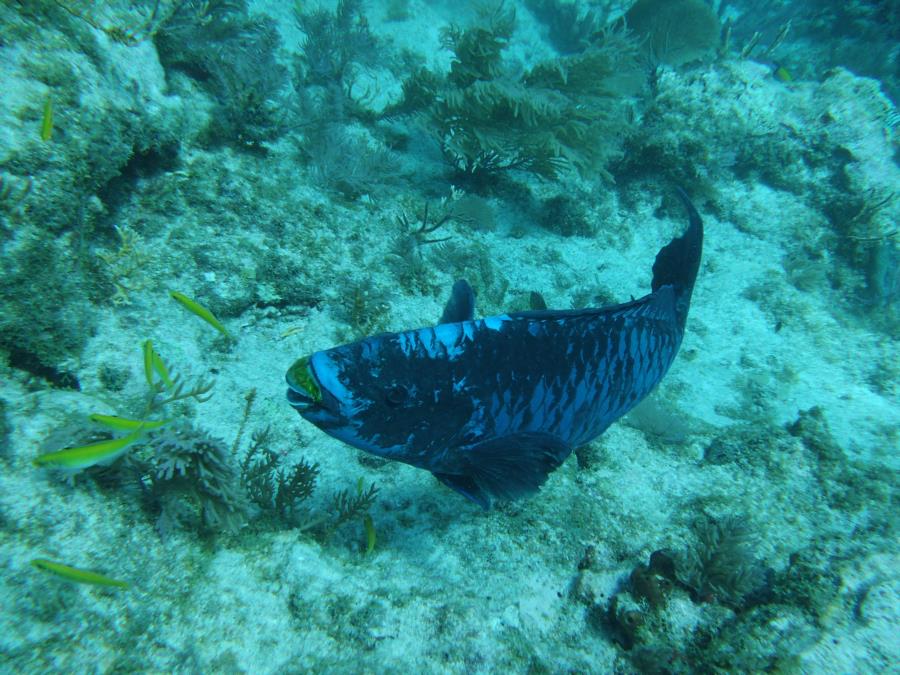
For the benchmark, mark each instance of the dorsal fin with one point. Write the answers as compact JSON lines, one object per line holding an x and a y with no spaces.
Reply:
{"x":461,"y":305}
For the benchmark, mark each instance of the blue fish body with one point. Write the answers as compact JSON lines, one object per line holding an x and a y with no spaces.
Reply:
{"x":491,"y":406}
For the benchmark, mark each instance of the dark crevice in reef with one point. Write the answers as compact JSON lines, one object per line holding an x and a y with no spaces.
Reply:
{"x":61,"y":379}
{"x":143,"y":164}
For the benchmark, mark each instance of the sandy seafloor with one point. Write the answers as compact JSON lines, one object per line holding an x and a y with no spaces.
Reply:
{"x":526,"y":587}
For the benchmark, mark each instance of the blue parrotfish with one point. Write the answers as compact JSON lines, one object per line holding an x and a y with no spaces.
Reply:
{"x":491,"y":406}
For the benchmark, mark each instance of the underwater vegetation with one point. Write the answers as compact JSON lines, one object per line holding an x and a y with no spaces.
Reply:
{"x":272,"y":487}
{"x":570,"y":25}
{"x":187,"y":479}
{"x":192,"y":483}
{"x":336,"y":140}
{"x":564,"y":114}
{"x":232,"y":55}
{"x":674,"y":32}
{"x":362,"y":307}
{"x":721,"y":564}
{"x":337,"y":45}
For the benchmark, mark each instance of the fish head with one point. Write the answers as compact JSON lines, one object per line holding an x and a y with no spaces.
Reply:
{"x":386,"y":394}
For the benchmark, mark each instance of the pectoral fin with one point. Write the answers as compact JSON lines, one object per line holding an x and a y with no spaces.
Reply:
{"x":506,"y":468}
{"x":461,"y":305}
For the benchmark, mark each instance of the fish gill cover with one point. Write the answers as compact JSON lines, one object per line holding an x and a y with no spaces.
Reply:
{"x":313,"y":174}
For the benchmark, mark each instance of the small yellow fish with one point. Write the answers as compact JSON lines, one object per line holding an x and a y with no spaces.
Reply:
{"x":782,"y":74}
{"x":88,"y":455}
{"x":125,"y":424}
{"x":47,"y":121}
{"x":148,"y":361}
{"x":196,"y":308}
{"x":153,"y":362}
{"x":74,"y":574}
{"x":370,"y":533}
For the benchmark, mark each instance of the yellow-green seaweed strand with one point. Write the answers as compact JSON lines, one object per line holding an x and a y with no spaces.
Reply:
{"x":70,"y":573}
{"x":87,"y":455}
{"x":195,"y":307}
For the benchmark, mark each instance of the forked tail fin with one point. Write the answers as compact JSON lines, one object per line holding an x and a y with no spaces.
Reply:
{"x":678,"y":261}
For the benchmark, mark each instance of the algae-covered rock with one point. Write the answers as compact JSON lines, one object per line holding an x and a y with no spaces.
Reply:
{"x":80,"y":112}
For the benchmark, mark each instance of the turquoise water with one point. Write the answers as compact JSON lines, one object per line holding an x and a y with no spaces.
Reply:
{"x":312,"y":174}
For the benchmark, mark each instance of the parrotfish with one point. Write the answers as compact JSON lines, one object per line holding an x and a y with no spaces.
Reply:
{"x":491,"y":406}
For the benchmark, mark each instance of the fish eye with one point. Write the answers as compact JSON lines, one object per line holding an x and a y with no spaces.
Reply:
{"x":396,"y":395}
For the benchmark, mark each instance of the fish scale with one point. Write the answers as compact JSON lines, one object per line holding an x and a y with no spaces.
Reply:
{"x":542,"y":396}
{"x":491,"y":406}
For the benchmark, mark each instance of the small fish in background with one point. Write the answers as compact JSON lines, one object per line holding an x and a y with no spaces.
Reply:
{"x":47,"y":121}
{"x":76,"y":575}
{"x":491,"y":406}
{"x":197,"y":309}
{"x":782,"y":74}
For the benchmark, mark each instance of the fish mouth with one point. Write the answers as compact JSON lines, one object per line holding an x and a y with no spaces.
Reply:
{"x":298,"y":400}
{"x":303,"y":391}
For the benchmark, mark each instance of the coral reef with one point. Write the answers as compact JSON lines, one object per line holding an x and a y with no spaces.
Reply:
{"x":565,"y":215}
{"x":52,"y":187}
{"x":41,"y":270}
{"x":275,"y":162}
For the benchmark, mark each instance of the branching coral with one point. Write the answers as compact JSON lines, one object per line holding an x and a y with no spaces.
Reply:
{"x":273,"y":488}
{"x":336,"y":44}
{"x":125,"y":265}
